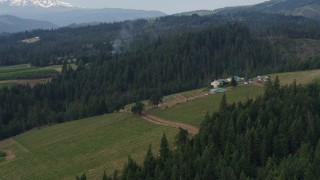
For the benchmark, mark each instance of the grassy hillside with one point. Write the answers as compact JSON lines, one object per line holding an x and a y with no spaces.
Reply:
{"x":101,"y":143}
{"x":302,"y":77}
{"x":194,"y":111}
{"x":90,"y":145}
{"x":26,"y":71}
{"x":26,"y":74}
{"x":12,"y":24}
{"x":173,"y":99}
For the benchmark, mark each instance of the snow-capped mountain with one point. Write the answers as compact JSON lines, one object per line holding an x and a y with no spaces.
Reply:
{"x":63,"y":14}
{"x":35,"y":3}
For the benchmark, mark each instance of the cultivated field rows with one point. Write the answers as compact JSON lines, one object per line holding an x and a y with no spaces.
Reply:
{"x":90,"y":146}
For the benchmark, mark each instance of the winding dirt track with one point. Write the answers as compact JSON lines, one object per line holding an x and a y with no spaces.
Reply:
{"x":156,"y":120}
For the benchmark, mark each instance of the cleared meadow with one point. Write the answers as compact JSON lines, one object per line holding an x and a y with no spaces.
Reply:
{"x":302,"y":77}
{"x":88,"y":146}
{"x":26,"y":74}
{"x":26,"y":71}
{"x":104,"y":142}
{"x":193,"y":112}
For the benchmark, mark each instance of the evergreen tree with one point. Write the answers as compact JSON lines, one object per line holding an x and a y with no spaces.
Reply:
{"x":155,"y":99}
{"x":266,"y":138}
{"x":105,"y":177}
{"x":316,"y":161}
{"x":164,"y":148}
{"x":223,"y":104}
{"x":115,"y":175}
{"x":276,"y":83}
{"x":182,"y":137}
{"x":234,"y":82}
{"x":82,"y":177}
{"x":149,"y":165}
{"x":137,"y":108}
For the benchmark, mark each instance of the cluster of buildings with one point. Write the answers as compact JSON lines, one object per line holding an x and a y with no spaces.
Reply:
{"x":31,"y":40}
{"x":222,"y":82}
{"x":263,"y":79}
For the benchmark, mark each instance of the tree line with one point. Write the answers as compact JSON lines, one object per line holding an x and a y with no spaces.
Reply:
{"x":100,"y":41}
{"x":276,"y":136}
{"x":165,"y":66}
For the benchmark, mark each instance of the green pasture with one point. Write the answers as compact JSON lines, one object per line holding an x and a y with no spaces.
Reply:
{"x":301,"y":77}
{"x":88,"y":146}
{"x":26,"y":71}
{"x":193,"y":112}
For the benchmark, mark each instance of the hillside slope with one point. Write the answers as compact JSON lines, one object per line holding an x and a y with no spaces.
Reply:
{"x":65,"y":16}
{"x":90,"y":145}
{"x":13,"y":24}
{"x":306,"y":8}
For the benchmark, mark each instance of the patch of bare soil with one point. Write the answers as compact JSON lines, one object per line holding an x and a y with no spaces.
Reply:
{"x":6,"y":147}
{"x":156,"y":120}
{"x":9,"y":154}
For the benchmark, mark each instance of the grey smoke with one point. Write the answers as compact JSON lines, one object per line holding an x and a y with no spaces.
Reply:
{"x":123,"y":39}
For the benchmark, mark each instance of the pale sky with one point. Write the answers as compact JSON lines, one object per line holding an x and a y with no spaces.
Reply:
{"x":167,"y":6}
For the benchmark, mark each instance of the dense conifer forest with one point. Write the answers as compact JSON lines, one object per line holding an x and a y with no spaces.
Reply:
{"x":276,"y":136}
{"x":100,"y":41}
{"x":163,"y":66}
{"x":167,"y":65}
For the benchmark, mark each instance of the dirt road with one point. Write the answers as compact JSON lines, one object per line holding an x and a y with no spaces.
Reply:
{"x":191,"y":129}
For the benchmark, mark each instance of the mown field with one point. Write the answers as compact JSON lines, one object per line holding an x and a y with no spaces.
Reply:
{"x":302,"y":77}
{"x":173,"y":99}
{"x":26,"y":71}
{"x":193,"y":112}
{"x":101,"y":143}
{"x":88,"y":146}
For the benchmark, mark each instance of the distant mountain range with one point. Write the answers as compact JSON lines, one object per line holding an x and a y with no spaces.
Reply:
{"x":306,"y":8}
{"x":64,"y":14}
{"x":60,"y":13}
{"x":14,"y":24}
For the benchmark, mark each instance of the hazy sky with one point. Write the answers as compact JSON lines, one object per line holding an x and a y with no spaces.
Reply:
{"x":167,"y":6}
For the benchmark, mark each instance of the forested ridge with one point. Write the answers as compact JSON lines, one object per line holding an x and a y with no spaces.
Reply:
{"x":276,"y":136}
{"x":167,"y":65}
{"x":92,"y":42}
{"x":164,"y":66}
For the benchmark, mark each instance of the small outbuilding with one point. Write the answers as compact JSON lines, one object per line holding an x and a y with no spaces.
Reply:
{"x":218,"y":83}
{"x":218,"y":90}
